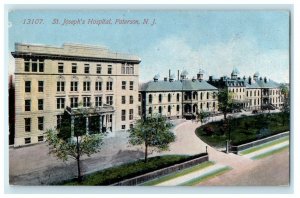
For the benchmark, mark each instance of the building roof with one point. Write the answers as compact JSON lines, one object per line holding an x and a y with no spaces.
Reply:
{"x":69,"y":50}
{"x":178,"y":85}
{"x":260,"y":83}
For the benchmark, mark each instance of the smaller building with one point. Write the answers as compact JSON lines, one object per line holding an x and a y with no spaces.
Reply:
{"x":181,"y":98}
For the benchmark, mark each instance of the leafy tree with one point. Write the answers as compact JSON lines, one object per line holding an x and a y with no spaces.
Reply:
{"x":286,"y":103}
{"x":202,"y":116}
{"x":64,"y":145}
{"x":154,"y":132}
{"x":225,"y":100}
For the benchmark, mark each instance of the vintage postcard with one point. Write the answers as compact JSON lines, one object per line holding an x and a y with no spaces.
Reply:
{"x":149,"y":97}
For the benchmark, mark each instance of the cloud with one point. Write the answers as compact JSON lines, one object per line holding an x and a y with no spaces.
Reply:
{"x":215,"y":59}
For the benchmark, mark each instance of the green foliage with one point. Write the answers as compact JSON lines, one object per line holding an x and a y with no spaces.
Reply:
{"x":202,"y":116}
{"x":64,"y":148}
{"x":154,"y":132}
{"x":225,"y":100}
{"x":244,"y":129}
{"x":129,"y":170}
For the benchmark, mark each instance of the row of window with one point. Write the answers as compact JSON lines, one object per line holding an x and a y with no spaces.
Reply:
{"x":124,"y":99}
{"x":123,"y":114}
{"x":237,"y":90}
{"x":86,"y":101}
{"x":28,"y":124}
{"x":186,"y":97}
{"x":249,"y":93}
{"x":127,"y":69}
{"x":40,"y":105}
{"x":60,"y":68}
{"x":28,"y":86}
{"x":33,"y":65}
{"x":28,"y":140}
{"x":178,"y":108}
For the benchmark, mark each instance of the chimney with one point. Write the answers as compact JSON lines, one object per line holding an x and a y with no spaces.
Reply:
{"x":265,"y":79}
{"x":169,"y":73}
{"x":249,"y":80}
{"x":178,"y":75}
{"x":210,"y":78}
{"x":165,"y":78}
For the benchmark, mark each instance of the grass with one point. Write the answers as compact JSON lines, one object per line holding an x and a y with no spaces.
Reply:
{"x":205,"y":177}
{"x":178,"y":174}
{"x":263,"y":146}
{"x":263,"y":155}
{"x":129,"y":170}
{"x":243,"y":129}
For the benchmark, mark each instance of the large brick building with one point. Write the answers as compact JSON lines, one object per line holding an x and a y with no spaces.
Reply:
{"x":50,"y":80}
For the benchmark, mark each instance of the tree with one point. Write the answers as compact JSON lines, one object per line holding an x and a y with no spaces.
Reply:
{"x":154,"y":132}
{"x":225,"y":100}
{"x":63,"y":145}
{"x":286,"y":102}
{"x":202,"y":116}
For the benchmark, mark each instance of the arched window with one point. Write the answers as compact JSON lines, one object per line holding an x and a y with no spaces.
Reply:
{"x":159,"y":109}
{"x":150,"y":110}
{"x":169,"y":97}
{"x":150,"y":98}
{"x":159,"y":98}
{"x":169,"y":108}
{"x":178,"y":97}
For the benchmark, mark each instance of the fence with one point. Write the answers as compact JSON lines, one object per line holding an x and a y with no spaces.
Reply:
{"x":239,"y":148}
{"x":158,"y":173}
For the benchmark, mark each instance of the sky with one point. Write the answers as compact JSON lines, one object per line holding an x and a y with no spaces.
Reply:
{"x":214,"y":41}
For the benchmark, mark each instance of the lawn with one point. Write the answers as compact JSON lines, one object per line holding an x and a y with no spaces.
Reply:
{"x":244,"y":129}
{"x":129,"y":170}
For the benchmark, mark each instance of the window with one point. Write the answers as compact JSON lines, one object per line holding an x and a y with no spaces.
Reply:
{"x":159,"y":109}
{"x":27,"y":86}
{"x":131,"y":85}
{"x":41,"y":86}
{"x":169,"y":97}
{"x":27,"y":124}
{"x":109,"y":100}
{"x":41,"y":66}
{"x":60,"y":103}
{"x":60,"y":68}
{"x":123,"y":115}
{"x":60,"y":86}
{"x":130,"y":99}
{"x":86,"y":68}
{"x":177,"y":108}
{"x":123,"y":99}
{"x":98,"y":69}
{"x":140,"y":97}
{"x":98,"y":101}
{"x":27,"y":65}
{"x":109,"y":85}
{"x":41,"y":123}
{"x":74,"y":68}
{"x":86,"y":86}
{"x":131,"y":126}
{"x":123,"y":126}
{"x":86,"y":101}
{"x":98,"y":85}
{"x":27,"y":140}
{"x":40,"y":138}
{"x":110,"y":119}
{"x":207,"y":105}
{"x":40,"y":104}
{"x":159,"y":98}
{"x":150,"y":110}
{"x":109,"y":69}
{"x":27,"y":105}
{"x":207,"y":95}
{"x":201,"y":95}
{"x":178,"y":97}
{"x":74,"y":102}
{"x":74,"y":86}
{"x":214,"y":105}
{"x":150,"y":98}
{"x":123,"y":85}
{"x":34,"y":65}
{"x":169,"y":108}
{"x":132,"y":69}
{"x":130,"y":114}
